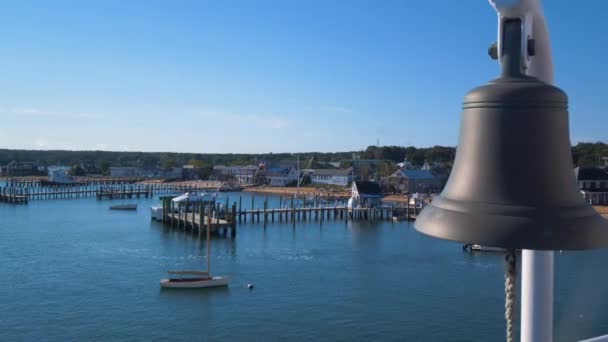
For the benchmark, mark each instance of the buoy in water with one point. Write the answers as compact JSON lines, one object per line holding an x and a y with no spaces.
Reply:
{"x":250,"y":286}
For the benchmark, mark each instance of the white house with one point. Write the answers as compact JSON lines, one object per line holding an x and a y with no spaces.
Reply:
{"x":281,"y":176}
{"x":365,"y":194}
{"x":341,"y":177}
{"x":245,"y":175}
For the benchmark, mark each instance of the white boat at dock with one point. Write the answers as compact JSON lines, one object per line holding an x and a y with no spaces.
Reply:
{"x":195,"y":196}
{"x":190,"y":197}
{"x":156,"y":212}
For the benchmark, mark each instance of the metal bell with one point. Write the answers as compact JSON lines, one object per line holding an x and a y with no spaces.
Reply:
{"x":512,"y":184}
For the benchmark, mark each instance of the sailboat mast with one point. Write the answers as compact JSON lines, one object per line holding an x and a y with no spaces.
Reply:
{"x":209,"y":242}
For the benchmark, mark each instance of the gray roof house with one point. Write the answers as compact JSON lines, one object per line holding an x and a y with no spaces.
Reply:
{"x":366,"y":194}
{"x":593,"y":183}
{"x":412,"y":181}
{"x":340,"y":177}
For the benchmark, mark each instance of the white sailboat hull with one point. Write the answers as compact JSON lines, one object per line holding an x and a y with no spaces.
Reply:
{"x":193,"y":283}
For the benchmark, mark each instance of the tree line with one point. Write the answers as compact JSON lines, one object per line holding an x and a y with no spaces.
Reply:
{"x":584,"y":155}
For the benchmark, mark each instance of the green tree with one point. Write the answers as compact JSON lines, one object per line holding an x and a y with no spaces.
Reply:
{"x":385,"y":169}
{"x":104,"y":167}
{"x":168,"y":162}
{"x":346,"y":163}
{"x":205,"y":168}
{"x":76,"y":170}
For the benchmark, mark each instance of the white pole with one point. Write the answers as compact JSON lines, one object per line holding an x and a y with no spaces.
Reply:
{"x":536,"y":296}
{"x":537,"y":266}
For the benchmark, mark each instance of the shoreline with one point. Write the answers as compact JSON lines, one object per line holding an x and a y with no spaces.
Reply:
{"x":602,"y":209}
{"x":312,"y":190}
{"x":276,"y":190}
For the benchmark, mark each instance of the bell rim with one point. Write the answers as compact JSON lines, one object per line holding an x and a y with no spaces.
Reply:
{"x":523,"y":227}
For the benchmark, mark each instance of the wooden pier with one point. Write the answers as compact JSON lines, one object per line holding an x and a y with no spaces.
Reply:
{"x":199,"y":216}
{"x":37,"y":182}
{"x":13,"y":196}
{"x":265,"y":215}
{"x":23,"y":194}
{"x":290,"y":211}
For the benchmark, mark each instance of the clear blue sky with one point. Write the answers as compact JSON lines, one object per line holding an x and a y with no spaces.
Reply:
{"x":269,"y":76}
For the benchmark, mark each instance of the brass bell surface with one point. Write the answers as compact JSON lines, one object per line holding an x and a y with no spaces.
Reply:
{"x":512,"y":184}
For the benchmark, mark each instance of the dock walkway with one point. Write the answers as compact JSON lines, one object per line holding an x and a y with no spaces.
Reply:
{"x":23,"y":194}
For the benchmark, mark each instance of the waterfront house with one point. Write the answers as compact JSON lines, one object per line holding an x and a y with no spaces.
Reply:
{"x":281,"y":176}
{"x":191,"y":172}
{"x":243,"y":174}
{"x":412,"y":181}
{"x":592,"y":179}
{"x":365,"y":194}
{"x":340,"y":177}
{"x":593,"y":183}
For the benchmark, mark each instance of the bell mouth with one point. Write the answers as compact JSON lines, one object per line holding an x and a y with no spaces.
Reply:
{"x":514,"y":226}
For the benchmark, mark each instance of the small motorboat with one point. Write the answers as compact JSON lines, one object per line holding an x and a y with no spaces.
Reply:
{"x":124,"y":207}
{"x":191,"y":197}
{"x":156,"y":212}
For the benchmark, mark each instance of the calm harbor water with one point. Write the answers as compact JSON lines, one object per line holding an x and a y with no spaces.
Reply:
{"x":74,"y":270}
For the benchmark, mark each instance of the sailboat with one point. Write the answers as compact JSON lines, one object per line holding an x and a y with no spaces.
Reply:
{"x":199,"y":279}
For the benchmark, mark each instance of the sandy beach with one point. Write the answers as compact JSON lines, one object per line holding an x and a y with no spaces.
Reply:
{"x":195,"y":183}
{"x":292,"y":191}
{"x":602,"y":209}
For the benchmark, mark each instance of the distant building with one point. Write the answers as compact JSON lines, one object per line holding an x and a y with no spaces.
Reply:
{"x":130,"y":171}
{"x":430,"y":165}
{"x":281,"y":176}
{"x":124,"y":171}
{"x":412,"y":181}
{"x":592,"y":179}
{"x":244,"y":175}
{"x":593,"y":183}
{"x":366,"y":194}
{"x":404,"y":164}
{"x":16,"y":168}
{"x":190,"y":172}
{"x":341,"y":177}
